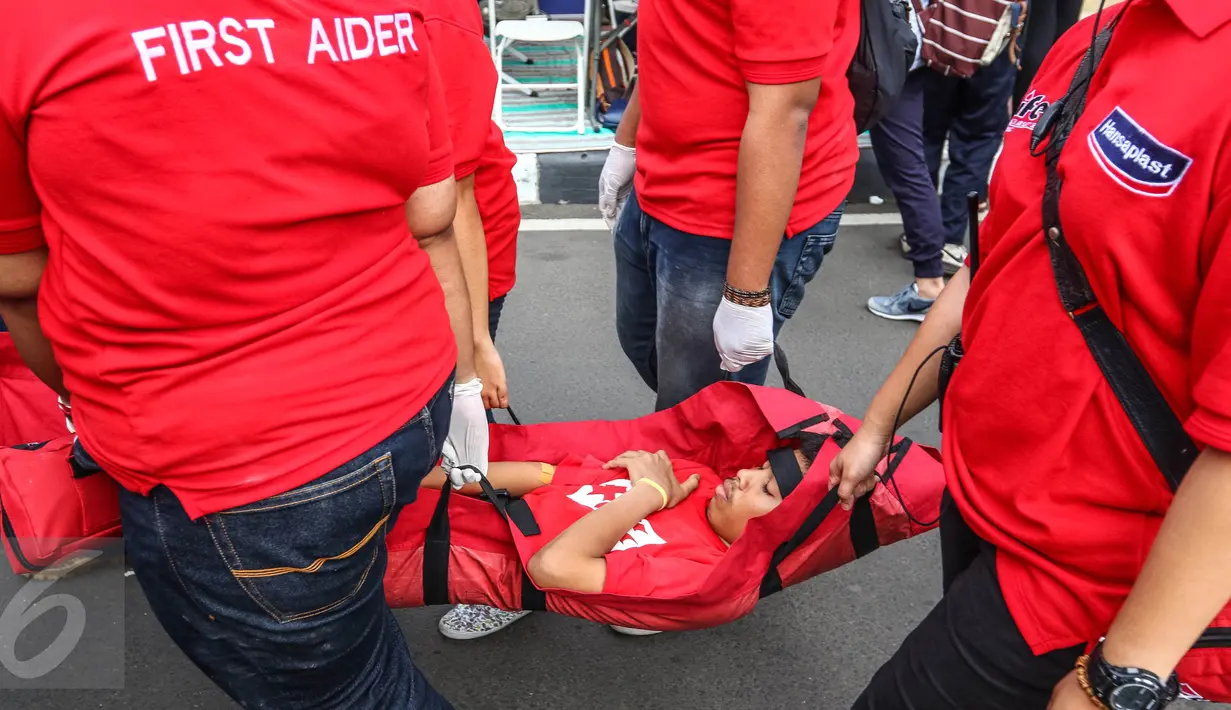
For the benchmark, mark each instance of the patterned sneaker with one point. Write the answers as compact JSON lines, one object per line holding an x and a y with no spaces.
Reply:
{"x":953,"y":256}
{"x":907,"y":304}
{"x":630,"y":631}
{"x":469,"y":621}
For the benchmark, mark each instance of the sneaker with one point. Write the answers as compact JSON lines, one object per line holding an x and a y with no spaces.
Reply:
{"x":630,"y":631}
{"x":907,"y":304}
{"x":470,"y":621}
{"x":905,"y":244}
{"x":953,"y":256}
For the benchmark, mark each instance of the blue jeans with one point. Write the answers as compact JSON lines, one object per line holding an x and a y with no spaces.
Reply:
{"x":233,"y":591}
{"x":668,"y":285}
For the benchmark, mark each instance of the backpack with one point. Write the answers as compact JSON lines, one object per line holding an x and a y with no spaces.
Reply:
{"x":960,"y":36}
{"x":883,"y":58}
{"x":612,"y":78}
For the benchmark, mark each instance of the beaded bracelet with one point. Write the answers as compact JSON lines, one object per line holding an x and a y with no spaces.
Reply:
{"x":752,"y":299}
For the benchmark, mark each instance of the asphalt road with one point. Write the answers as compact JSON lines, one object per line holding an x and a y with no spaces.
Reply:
{"x":813,"y":646}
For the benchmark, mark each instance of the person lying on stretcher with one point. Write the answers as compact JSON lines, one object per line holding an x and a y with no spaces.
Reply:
{"x":641,"y":524}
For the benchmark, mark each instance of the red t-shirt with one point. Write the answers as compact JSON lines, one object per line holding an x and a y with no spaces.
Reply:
{"x":232,"y":291}
{"x":667,"y":555}
{"x":696,"y":58}
{"x":1040,"y":457}
{"x":468,"y":74}
{"x":496,"y":193}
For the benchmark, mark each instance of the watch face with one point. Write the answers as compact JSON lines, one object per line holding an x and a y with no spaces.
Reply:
{"x":1133,"y":697}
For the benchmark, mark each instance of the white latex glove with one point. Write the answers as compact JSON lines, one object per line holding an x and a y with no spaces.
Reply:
{"x":743,"y":334}
{"x":616,"y":182}
{"x":465,"y":451}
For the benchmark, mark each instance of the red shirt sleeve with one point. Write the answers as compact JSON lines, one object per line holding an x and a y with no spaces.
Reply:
{"x":440,"y":147}
{"x":655,"y":577}
{"x":20,"y":212}
{"x":1210,"y":365}
{"x":784,"y":41}
{"x":469,"y":88}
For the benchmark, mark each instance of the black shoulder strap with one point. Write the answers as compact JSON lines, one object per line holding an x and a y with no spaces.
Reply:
{"x":1148,"y":410}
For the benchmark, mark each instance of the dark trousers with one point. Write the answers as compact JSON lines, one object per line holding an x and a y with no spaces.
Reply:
{"x":1046,"y":20}
{"x":972,"y":114}
{"x":897,"y":142}
{"x":282,"y":602}
{"x":669,"y":284}
{"x":967,"y":652}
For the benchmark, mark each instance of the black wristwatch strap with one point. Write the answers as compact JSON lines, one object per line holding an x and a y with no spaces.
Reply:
{"x":1127,"y":688}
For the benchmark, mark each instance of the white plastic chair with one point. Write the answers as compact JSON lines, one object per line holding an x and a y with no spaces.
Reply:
{"x":545,"y":30}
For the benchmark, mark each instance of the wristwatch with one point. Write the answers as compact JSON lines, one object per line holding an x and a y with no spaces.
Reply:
{"x":1120,"y":688}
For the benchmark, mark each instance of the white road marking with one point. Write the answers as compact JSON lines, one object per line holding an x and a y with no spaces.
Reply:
{"x":593,"y":224}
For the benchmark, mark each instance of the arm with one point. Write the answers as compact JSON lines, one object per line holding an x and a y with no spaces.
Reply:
{"x":626,"y":132}
{"x":19,"y":280}
{"x":472,"y":245}
{"x":516,"y":477}
{"x":1186,"y":580}
{"x":616,"y":180}
{"x":576,"y":559}
{"x":771,"y":153}
{"x":853,"y":468}
{"x":430,"y":212}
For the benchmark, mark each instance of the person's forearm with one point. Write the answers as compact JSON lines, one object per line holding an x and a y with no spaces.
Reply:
{"x":516,"y":477}
{"x":771,"y":153}
{"x":626,"y":132}
{"x":594,"y":535}
{"x":943,"y":322}
{"x":441,"y":248}
{"x":21,"y":318}
{"x":1186,"y":579}
{"x":472,"y":246}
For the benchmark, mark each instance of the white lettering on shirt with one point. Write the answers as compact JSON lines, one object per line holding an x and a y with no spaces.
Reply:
{"x":641,"y":535}
{"x":320,"y":42}
{"x":405,"y":30}
{"x":353,"y":38}
{"x":355,"y":52}
{"x":179,"y":48}
{"x":147,"y":53}
{"x":195,"y":44}
{"x":245,"y":51}
{"x":337,"y":30}
{"x":192,"y":38}
{"x":382,"y":35}
{"x":260,"y":26}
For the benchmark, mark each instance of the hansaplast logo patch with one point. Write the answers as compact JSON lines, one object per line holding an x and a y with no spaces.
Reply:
{"x":1137,"y":160}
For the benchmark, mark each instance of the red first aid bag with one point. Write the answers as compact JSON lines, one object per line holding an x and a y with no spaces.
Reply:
{"x":50,"y":506}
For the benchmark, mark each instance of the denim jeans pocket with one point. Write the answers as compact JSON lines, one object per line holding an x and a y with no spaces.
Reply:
{"x":310,"y":550}
{"x":816,"y":246}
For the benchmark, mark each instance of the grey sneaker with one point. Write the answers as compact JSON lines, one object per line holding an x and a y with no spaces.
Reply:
{"x":905,"y":244}
{"x":907,"y":304}
{"x":953,"y":256}
{"x":630,"y":631}
{"x":468,"y":621}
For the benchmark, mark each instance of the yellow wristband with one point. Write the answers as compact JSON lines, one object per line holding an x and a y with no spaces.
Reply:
{"x":658,"y":488}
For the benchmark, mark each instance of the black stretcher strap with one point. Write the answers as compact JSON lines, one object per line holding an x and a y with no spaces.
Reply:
{"x":784,"y":370}
{"x":794,"y":430}
{"x":436,"y":552}
{"x":786,"y":469}
{"x":1156,"y":423}
{"x":865,"y":538}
